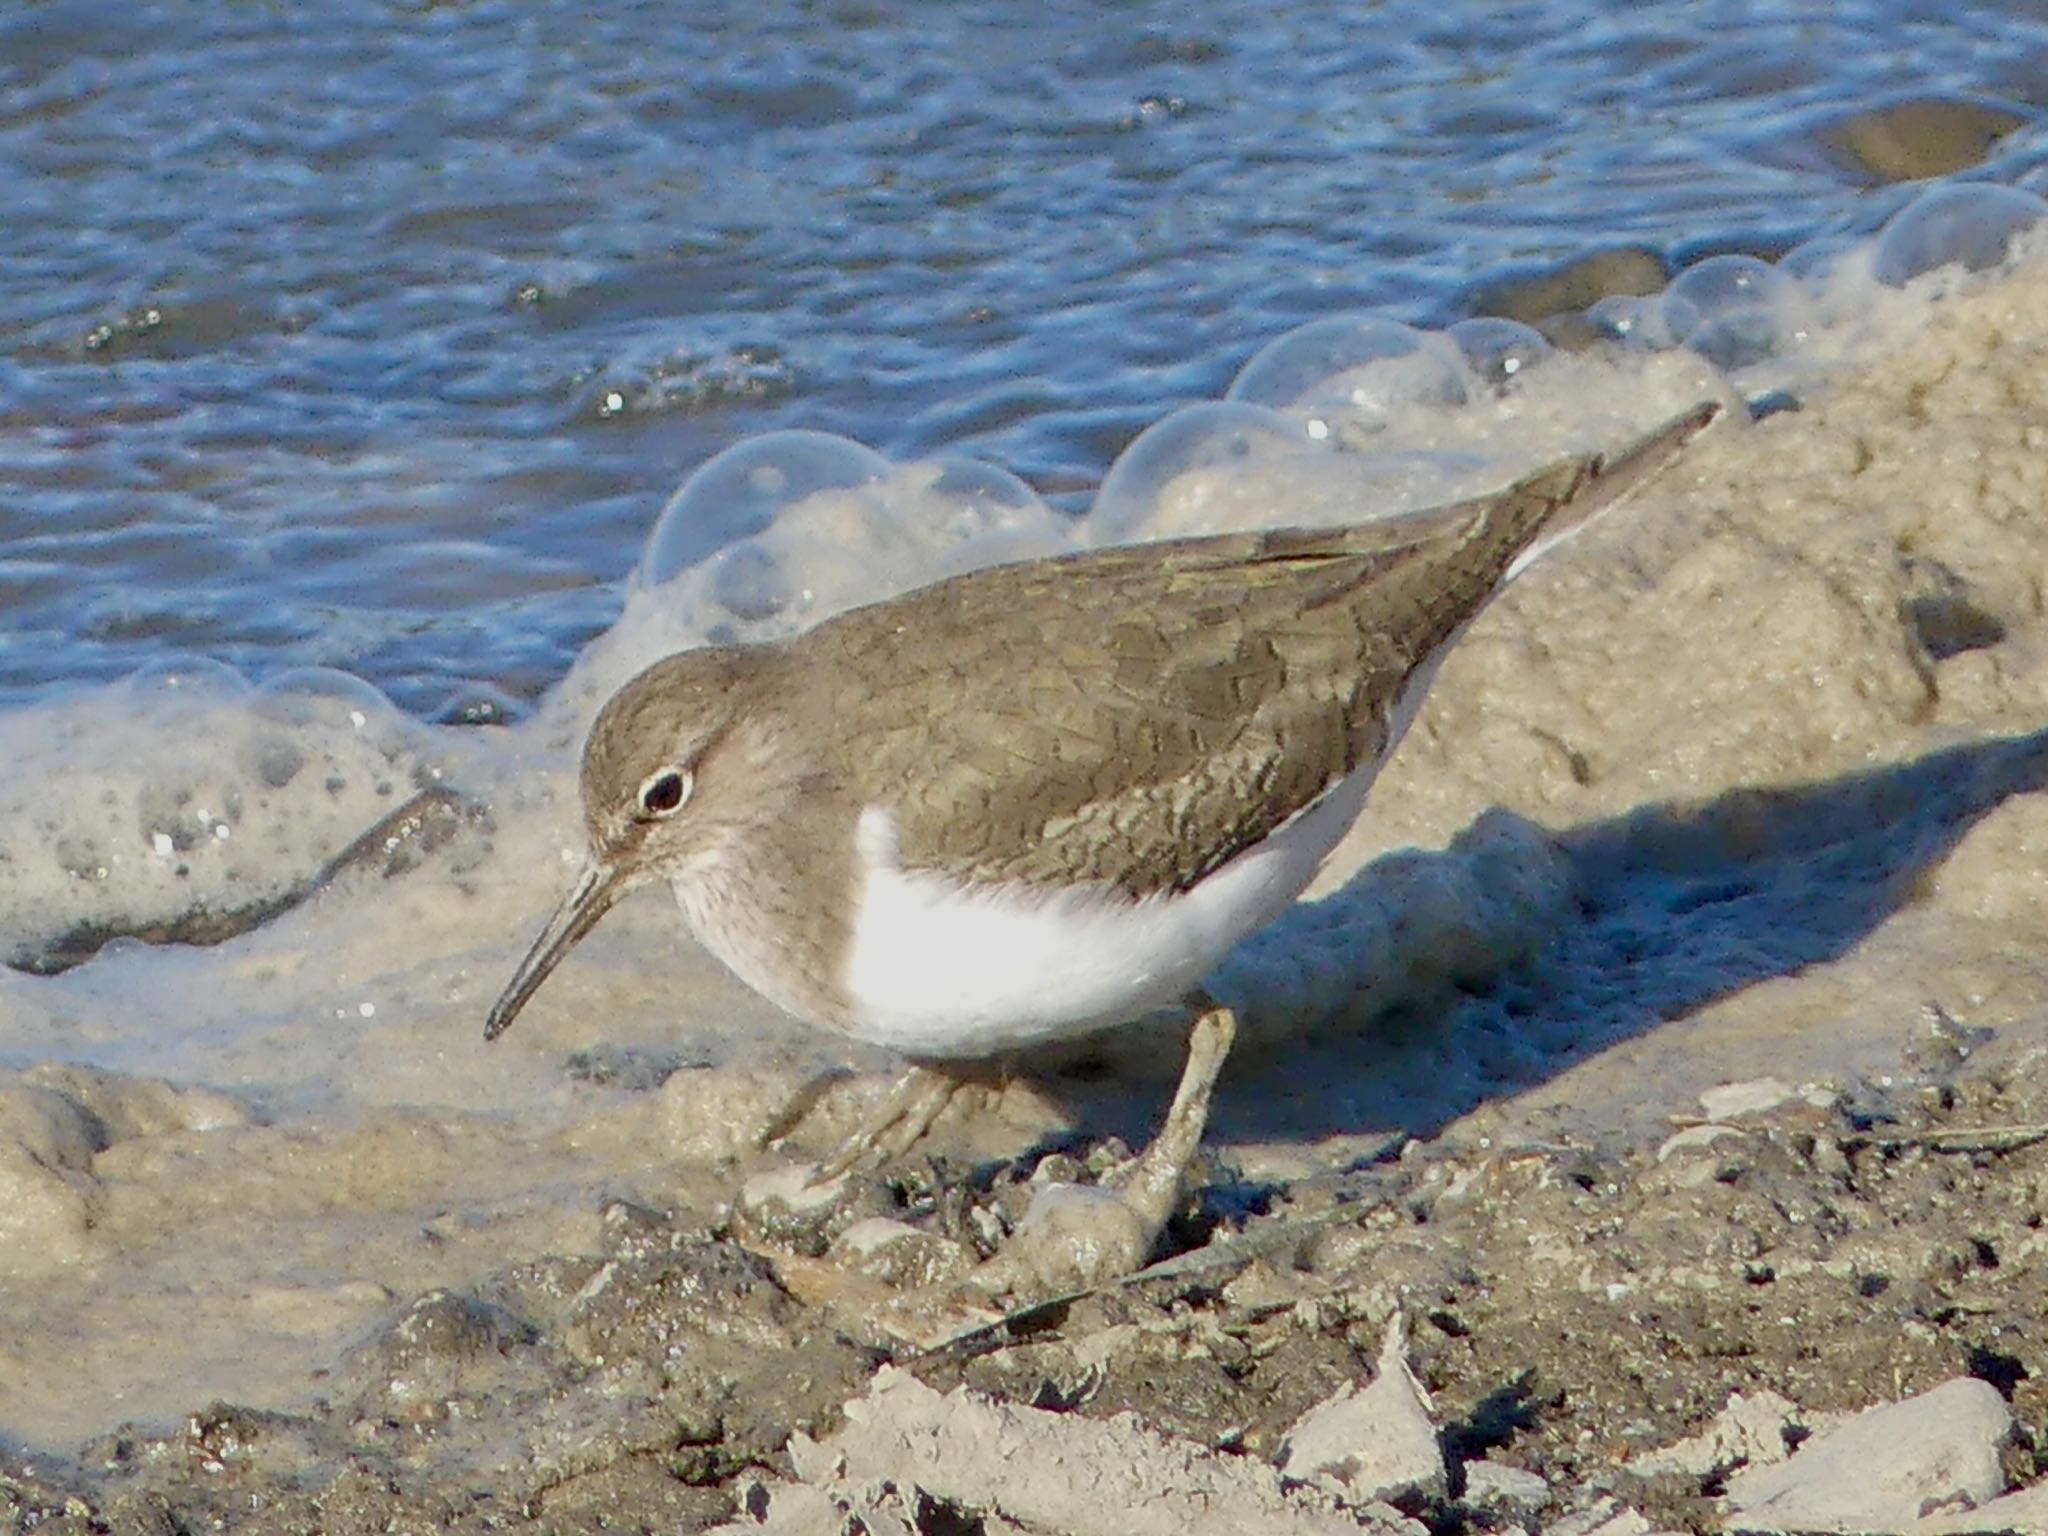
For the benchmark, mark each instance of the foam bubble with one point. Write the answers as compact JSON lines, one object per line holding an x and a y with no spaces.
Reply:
{"x":1501,"y":352}
{"x":181,"y":680}
{"x":1354,"y":371}
{"x":474,"y":703}
{"x":829,"y":525}
{"x":983,"y":493}
{"x":743,"y":490}
{"x":977,"y":513}
{"x":317,"y":695}
{"x":1634,"y":322}
{"x":1844,"y":300}
{"x":1735,"y":311}
{"x":1166,"y":479}
{"x":1815,"y":260}
{"x":750,"y":584}
{"x":848,"y":527}
{"x":1968,"y":224}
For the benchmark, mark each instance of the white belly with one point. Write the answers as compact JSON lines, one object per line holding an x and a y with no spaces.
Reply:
{"x":942,"y":970}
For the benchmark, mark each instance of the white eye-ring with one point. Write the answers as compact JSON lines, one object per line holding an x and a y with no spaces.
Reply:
{"x":666,"y":791}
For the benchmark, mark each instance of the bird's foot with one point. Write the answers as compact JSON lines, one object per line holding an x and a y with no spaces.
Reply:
{"x":919,"y":1098}
{"x":924,"y":1286}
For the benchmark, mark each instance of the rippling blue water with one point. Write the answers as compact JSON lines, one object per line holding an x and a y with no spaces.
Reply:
{"x":375,"y":335}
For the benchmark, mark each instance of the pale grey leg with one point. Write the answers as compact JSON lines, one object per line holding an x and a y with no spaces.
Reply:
{"x":1076,"y":1237}
{"x":919,"y":1097}
{"x":1150,"y":1183}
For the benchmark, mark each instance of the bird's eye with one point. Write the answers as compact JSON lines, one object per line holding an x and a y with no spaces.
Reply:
{"x":664,"y":792}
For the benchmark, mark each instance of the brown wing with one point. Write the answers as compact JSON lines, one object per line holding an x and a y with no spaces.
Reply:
{"x":1137,"y":717}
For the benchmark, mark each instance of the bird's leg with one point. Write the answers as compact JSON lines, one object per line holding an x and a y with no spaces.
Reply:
{"x":1076,"y":1237}
{"x":797,"y":1108}
{"x":1150,"y":1182}
{"x":919,"y":1097}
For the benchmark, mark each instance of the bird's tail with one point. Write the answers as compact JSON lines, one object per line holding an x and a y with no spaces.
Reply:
{"x":1536,"y":515}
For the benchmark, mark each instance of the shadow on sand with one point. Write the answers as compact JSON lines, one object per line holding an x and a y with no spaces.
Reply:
{"x":1653,"y":916}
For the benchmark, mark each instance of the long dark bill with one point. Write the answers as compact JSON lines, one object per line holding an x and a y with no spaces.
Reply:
{"x":593,"y":896}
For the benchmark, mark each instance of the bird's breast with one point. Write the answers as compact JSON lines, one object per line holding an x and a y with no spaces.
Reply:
{"x":775,"y":934}
{"x":944,"y":969}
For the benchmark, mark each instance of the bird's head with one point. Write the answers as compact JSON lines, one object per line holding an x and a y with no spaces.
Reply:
{"x":654,"y":772}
